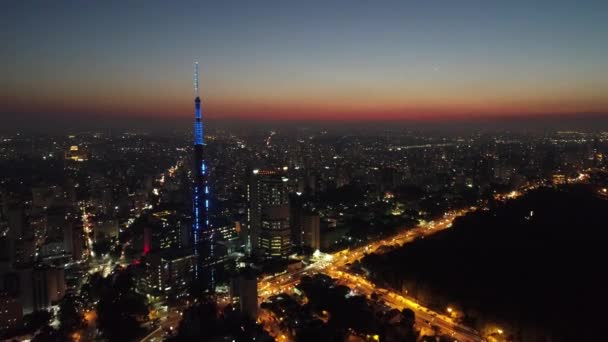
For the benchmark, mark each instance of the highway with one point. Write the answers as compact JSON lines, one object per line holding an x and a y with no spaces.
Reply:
{"x":168,"y":322}
{"x":336,"y":266}
{"x":425,"y":318}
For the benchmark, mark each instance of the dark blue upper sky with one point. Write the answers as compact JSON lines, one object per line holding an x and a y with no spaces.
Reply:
{"x":306,"y":59}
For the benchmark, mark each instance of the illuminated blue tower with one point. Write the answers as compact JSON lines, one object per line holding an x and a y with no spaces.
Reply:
{"x":202,"y":235}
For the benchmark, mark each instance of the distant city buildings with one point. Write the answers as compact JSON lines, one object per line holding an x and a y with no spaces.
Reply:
{"x":130,"y":202}
{"x":75,"y":153}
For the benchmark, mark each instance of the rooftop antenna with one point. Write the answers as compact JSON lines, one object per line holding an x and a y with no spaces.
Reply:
{"x":196,"y":78}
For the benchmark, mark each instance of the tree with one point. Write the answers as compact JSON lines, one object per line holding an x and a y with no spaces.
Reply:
{"x":203,"y":322}
{"x":95,"y":287}
{"x":48,"y":334}
{"x":121,"y":310}
{"x":36,"y":320}
{"x":102,"y":247}
{"x":199,"y":322}
{"x":408,"y":319}
{"x":70,"y":315}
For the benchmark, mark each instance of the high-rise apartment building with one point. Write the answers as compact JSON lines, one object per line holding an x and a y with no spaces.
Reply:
{"x":168,"y":273}
{"x":268,"y":214}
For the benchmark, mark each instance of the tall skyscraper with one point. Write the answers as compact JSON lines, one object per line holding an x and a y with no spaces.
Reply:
{"x":202,"y":235}
{"x":268,"y":214}
{"x":275,"y":235}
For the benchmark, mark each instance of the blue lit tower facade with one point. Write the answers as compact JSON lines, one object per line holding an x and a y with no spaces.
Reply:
{"x":202,"y":235}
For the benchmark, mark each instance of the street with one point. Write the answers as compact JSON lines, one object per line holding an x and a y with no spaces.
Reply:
{"x":335,"y":265}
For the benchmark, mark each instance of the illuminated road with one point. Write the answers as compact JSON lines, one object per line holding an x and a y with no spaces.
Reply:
{"x":425,"y":318}
{"x":168,"y":323}
{"x":335,"y":265}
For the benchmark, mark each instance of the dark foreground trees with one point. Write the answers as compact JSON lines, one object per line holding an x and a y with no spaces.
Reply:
{"x":121,"y":311}
{"x":525,"y":264}
{"x":204,"y":322}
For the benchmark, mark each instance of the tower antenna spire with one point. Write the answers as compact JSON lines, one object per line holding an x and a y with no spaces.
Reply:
{"x":196,"y":78}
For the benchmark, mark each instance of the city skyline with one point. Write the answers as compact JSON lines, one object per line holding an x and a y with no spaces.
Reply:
{"x":402,"y":61}
{"x":281,"y":171}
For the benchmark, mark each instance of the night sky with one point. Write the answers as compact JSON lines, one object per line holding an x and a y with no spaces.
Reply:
{"x":304,"y":60}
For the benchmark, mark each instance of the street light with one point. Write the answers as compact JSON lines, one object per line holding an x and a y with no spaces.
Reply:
{"x":450,"y":309}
